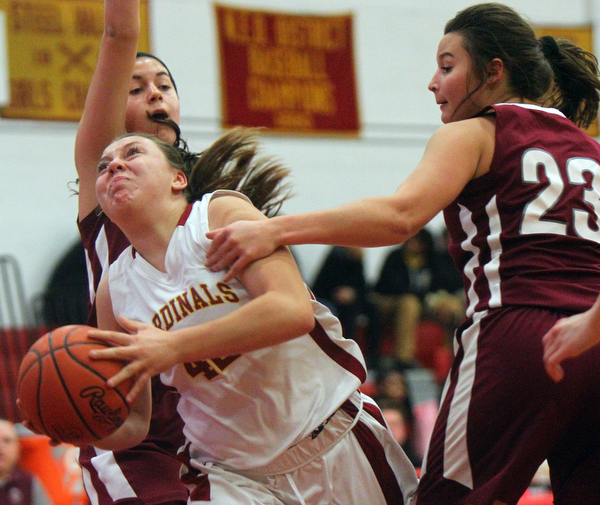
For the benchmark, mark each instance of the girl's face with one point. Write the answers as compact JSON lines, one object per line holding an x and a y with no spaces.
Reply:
{"x":151,"y":95}
{"x":134,"y":172}
{"x":454,"y":80}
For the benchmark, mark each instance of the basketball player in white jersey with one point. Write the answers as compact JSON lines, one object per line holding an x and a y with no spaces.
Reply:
{"x":268,"y":385}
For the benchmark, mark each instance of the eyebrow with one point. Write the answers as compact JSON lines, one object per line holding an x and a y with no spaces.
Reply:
{"x":125,"y":148}
{"x":162,"y":73}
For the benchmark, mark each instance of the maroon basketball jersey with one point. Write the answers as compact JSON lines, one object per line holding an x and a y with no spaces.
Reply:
{"x":103,"y":242}
{"x":527,"y":232}
{"x":147,"y":473}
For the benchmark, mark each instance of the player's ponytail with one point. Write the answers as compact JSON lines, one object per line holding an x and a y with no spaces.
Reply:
{"x":233,"y":162}
{"x":576,"y":86}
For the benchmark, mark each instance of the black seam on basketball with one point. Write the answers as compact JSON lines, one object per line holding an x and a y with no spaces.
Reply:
{"x":22,"y":376}
{"x":62,"y":381}
{"x":25,"y":371}
{"x":92,"y":370}
{"x":38,"y":393}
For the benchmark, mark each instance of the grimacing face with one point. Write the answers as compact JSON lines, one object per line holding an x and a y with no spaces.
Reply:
{"x":134,"y":173}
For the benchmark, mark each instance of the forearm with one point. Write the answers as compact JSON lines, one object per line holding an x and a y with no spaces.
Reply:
{"x":135,"y":428}
{"x":369,"y":222}
{"x":264,"y":321}
{"x":103,"y":116}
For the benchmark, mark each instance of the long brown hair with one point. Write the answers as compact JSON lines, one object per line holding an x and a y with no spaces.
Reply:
{"x":233,"y":162}
{"x":559,"y":75}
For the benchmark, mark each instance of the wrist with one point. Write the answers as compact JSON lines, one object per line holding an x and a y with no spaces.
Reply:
{"x":279,"y":231}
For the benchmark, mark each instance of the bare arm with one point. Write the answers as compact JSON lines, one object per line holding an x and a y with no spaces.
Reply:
{"x":280,"y":310}
{"x":455,"y":154}
{"x":135,"y":428}
{"x":570,"y":337}
{"x":103,"y":117}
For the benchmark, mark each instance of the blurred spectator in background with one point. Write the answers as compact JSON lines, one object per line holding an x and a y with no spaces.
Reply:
{"x":65,"y":300}
{"x":340,"y":284}
{"x":407,"y":275}
{"x":412,"y":389}
{"x":442,"y":313}
{"x":17,"y":485}
{"x":391,"y":385}
{"x":448,"y":277}
{"x":400,"y":422}
{"x":420,"y":297}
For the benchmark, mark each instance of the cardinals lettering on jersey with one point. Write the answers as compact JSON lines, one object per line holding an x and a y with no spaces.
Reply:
{"x":190,"y":301}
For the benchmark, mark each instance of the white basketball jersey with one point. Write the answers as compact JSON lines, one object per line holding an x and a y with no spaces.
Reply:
{"x":240,"y":411}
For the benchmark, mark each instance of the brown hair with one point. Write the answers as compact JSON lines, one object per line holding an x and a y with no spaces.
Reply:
{"x":231,"y":162}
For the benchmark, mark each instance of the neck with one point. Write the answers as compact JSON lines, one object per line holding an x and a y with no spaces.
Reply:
{"x":150,"y":232}
{"x":517,"y":99}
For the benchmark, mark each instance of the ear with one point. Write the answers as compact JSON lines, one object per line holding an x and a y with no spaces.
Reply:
{"x":495,"y":70}
{"x":180,"y":181}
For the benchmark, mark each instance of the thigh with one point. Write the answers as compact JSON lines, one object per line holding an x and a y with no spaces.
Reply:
{"x":575,"y":458}
{"x":582,"y":487}
{"x":367,"y":466}
{"x":499,"y":416}
{"x":143,"y":475}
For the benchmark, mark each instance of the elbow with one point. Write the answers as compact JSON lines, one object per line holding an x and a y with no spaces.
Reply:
{"x":309,"y":325}
{"x":119,"y":444}
{"x":122,"y":26}
{"x":403,"y":229}
{"x":130,"y":434}
{"x":137,"y":439}
{"x":306,"y":320}
{"x":298,"y":317}
{"x":115,"y":35}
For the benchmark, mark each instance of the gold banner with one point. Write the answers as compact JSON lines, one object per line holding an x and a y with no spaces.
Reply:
{"x":289,"y":73}
{"x":580,"y":36}
{"x":52,"y":52}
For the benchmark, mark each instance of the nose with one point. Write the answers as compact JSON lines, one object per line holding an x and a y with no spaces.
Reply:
{"x":432,"y":86}
{"x":154,"y":93}
{"x":115,"y":166}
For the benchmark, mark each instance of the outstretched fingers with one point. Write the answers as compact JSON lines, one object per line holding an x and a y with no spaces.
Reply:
{"x":130,"y":372}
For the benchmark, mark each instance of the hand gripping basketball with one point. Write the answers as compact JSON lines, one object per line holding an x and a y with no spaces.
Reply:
{"x":63,"y":393}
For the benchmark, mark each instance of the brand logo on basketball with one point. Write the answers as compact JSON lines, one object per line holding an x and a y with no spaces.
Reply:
{"x":103,"y":415}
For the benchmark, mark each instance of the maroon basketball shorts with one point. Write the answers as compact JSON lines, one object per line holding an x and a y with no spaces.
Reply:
{"x":501,"y":416}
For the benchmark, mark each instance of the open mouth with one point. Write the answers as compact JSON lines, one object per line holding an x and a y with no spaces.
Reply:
{"x":163,"y":118}
{"x":159,"y":117}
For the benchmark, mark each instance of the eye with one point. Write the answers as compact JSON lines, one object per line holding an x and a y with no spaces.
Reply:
{"x":102,"y":166}
{"x":164,"y":87}
{"x":135,"y":91}
{"x":445,"y":70}
{"x":133,"y":150}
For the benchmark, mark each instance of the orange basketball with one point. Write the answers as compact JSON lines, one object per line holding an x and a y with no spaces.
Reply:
{"x":63,"y":392}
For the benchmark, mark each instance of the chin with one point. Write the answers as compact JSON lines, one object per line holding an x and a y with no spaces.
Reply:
{"x":447,"y":118}
{"x":166,"y":136}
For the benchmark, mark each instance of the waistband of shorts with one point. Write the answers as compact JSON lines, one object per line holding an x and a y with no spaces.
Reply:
{"x":323,"y":438}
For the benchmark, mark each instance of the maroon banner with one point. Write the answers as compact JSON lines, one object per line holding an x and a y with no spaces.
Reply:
{"x":290,"y":73}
